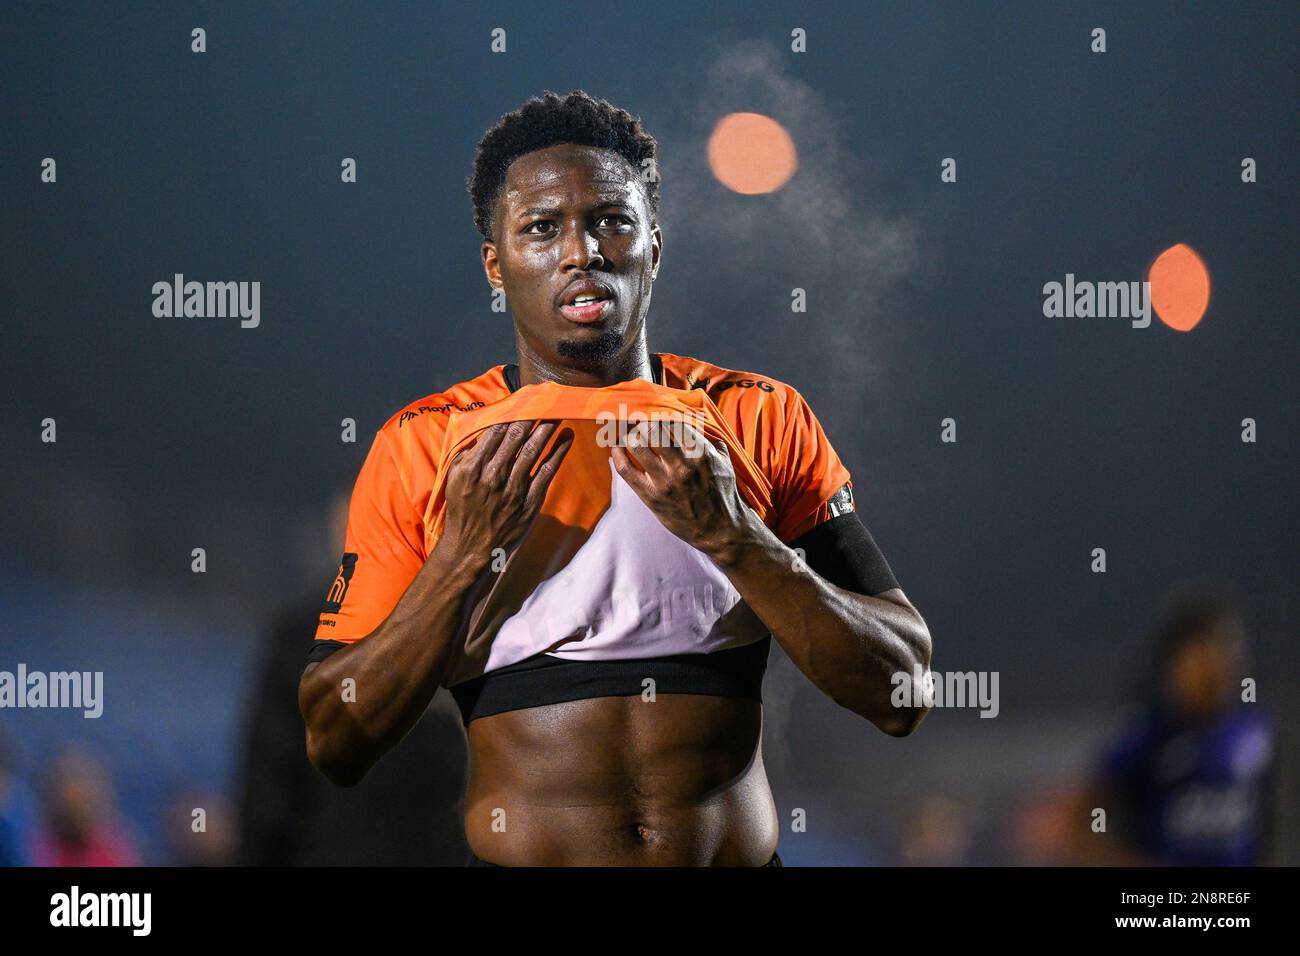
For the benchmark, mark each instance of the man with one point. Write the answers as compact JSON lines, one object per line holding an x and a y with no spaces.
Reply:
{"x":1193,"y":777}
{"x":406,"y":813}
{"x":600,"y":607}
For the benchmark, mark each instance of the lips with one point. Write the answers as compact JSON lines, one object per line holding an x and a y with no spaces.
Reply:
{"x":586,"y":300}
{"x":584,"y":288}
{"x":587,"y":313}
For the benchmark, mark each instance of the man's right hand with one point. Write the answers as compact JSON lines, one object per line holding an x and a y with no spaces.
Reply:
{"x":494,"y":490}
{"x":495,"y":487}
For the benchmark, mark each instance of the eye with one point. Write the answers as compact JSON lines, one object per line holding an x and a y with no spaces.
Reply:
{"x":619,"y":219}
{"x":531,"y":228}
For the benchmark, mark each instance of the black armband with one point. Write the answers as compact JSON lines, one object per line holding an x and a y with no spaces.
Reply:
{"x":323,"y":649}
{"x":843,"y":552}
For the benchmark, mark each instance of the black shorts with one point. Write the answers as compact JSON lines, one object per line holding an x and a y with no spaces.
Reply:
{"x":475,"y":861}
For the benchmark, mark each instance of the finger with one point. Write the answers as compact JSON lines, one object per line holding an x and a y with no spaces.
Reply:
{"x":547,"y":470}
{"x":639,"y":449}
{"x":531,"y":451}
{"x":503,"y":459}
{"x":688,"y":444}
{"x":486,"y":443}
{"x":628,"y":469}
{"x":664,"y":440}
{"x":723,"y":464}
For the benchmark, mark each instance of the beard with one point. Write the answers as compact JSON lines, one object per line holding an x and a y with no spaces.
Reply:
{"x":590,"y":349}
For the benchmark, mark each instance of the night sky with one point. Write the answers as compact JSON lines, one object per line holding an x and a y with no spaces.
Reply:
{"x":924,"y":297}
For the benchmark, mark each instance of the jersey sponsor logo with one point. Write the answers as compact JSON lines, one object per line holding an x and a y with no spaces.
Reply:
{"x":339,"y":589}
{"x":441,"y":409}
{"x":841,"y":503}
{"x":722,"y":386}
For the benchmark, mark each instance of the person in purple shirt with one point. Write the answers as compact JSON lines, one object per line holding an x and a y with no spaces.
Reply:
{"x":1190,"y":780}
{"x":18,"y":811}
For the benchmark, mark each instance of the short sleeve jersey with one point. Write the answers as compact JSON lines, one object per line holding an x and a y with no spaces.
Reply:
{"x":615,"y":584}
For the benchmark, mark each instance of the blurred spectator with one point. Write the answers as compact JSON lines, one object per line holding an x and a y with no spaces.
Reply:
{"x":937,"y":833}
{"x":81,"y":826}
{"x":195,"y":838}
{"x":407,"y":811}
{"x":1044,"y":827}
{"x":1190,"y":780}
{"x":17,"y":813}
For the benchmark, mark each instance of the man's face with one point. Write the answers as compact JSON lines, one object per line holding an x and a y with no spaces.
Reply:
{"x":1201,"y":673}
{"x":573,"y":223}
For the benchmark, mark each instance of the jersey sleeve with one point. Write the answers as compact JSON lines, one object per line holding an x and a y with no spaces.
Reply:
{"x":384,"y":551}
{"x":807,"y":472}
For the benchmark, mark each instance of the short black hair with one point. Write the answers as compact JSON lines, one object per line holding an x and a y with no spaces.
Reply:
{"x":548,"y":120}
{"x":1196,"y":616}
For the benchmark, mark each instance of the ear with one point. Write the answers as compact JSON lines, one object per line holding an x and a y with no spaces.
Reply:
{"x":656,"y":250}
{"x":491,"y":264}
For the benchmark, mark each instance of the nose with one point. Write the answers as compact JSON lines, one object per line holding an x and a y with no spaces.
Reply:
{"x":581,"y":250}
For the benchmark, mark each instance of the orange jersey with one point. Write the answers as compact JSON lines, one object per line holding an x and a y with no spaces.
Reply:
{"x":597,"y":577}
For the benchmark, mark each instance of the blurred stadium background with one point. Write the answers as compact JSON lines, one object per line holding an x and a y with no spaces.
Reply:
{"x":924,"y":302}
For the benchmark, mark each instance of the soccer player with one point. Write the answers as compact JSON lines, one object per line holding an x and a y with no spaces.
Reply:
{"x":593,"y":547}
{"x":1192,"y":777}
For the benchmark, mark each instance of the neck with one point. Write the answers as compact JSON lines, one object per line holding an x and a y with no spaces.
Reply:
{"x":631,"y":363}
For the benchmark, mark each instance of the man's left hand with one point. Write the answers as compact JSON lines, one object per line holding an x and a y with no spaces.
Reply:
{"x":688,"y":483}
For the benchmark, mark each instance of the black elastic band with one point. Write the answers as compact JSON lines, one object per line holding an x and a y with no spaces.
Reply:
{"x":474,"y":860}
{"x":542,"y":680}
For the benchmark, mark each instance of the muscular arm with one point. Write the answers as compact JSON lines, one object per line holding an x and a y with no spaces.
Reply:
{"x":397,"y":670}
{"x":847,"y":643}
{"x":850,"y":645}
{"x":493,"y":495}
